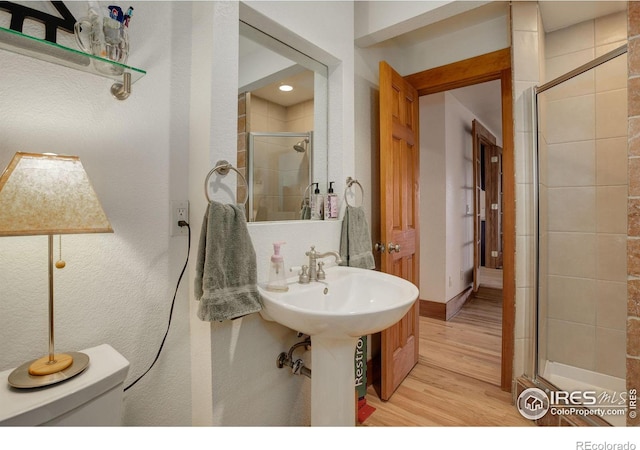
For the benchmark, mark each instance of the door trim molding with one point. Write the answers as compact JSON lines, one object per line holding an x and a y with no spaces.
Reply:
{"x":488,"y":67}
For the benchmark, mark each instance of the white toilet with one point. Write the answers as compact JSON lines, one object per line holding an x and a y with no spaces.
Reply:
{"x":91,"y":398}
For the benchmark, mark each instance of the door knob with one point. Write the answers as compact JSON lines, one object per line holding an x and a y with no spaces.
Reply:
{"x":379,"y":247}
{"x":394,"y":247}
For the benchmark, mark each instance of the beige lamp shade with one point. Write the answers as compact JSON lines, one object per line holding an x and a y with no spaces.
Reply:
{"x":48,"y":194}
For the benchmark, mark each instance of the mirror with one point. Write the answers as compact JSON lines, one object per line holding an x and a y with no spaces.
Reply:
{"x":282,"y":132}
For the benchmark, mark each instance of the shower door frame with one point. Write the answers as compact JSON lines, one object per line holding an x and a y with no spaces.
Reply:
{"x":534,"y":364}
{"x":250,"y":158}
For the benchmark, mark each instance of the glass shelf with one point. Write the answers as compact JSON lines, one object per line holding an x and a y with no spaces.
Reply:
{"x":23,"y":44}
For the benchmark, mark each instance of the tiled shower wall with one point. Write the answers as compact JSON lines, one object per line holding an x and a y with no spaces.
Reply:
{"x":265,"y":116}
{"x":527,"y":46}
{"x":583,"y":191}
{"x":633,"y":239}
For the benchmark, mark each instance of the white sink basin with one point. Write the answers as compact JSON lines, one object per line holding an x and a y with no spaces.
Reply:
{"x":349,"y":302}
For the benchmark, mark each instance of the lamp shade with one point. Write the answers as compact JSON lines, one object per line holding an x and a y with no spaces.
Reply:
{"x":48,"y":194}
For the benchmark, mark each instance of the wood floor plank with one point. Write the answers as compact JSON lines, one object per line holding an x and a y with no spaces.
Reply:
{"x":457,"y":379}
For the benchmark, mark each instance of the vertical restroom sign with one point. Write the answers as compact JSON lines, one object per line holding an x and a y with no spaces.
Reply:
{"x":361,"y":367}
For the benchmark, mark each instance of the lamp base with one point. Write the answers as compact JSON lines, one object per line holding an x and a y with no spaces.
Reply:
{"x":44,"y":366}
{"x":22,"y":378}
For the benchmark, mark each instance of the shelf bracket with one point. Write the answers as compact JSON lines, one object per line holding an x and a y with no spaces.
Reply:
{"x":121,"y":91}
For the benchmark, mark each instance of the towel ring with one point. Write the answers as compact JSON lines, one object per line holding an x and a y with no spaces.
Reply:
{"x":351,"y":182}
{"x":222,"y":168}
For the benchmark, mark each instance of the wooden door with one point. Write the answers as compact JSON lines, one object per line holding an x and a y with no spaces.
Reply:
{"x":399,"y":207}
{"x":483,"y":140}
{"x":477,"y":207}
{"x":493,"y":207}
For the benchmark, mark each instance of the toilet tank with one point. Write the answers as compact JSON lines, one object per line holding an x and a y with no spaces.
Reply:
{"x":91,"y":398}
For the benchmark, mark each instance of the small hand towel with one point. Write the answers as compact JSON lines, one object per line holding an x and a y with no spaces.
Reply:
{"x":226,"y":274}
{"x":305,"y":211}
{"x":355,"y":241}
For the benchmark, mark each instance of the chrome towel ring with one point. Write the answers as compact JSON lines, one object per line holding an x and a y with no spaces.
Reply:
{"x":351,"y":182}
{"x":222,"y":168}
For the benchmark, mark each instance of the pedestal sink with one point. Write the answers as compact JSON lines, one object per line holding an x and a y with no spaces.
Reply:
{"x":335,"y":312}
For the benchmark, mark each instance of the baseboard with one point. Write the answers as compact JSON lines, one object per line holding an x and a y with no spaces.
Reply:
{"x":433,"y":310}
{"x":444,"y":311}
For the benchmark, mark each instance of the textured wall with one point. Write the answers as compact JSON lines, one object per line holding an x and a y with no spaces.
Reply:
{"x":235,"y":380}
{"x":116,"y":288}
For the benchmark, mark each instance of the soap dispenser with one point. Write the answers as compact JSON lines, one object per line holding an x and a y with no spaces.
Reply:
{"x":317,"y":204}
{"x":277,"y":278}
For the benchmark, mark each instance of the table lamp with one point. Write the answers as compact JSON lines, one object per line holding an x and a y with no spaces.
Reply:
{"x":49,"y":194}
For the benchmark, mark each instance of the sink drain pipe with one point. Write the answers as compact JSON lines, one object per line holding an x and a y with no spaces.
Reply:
{"x":297,"y":366}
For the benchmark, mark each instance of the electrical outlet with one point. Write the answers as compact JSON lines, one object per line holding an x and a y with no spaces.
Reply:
{"x":179,"y":211}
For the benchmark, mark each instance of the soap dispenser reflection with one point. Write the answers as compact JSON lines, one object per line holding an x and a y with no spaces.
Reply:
{"x":277,"y":278}
{"x":331,"y":203}
{"x":317,"y":204}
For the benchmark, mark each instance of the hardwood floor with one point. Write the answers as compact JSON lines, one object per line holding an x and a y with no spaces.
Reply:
{"x":456,"y":381}
{"x":490,"y":277}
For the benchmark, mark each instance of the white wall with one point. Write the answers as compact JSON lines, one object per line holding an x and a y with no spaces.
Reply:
{"x":116,"y":288}
{"x":237,"y":359}
{"x":473,"y":40}
{"x":459,"y":170}
{"x":382,"y":20}
{"x":433,"y":197}
{"x":446,"y":174}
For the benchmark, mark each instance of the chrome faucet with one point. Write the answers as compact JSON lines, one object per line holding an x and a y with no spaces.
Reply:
{"x":316,"y":271}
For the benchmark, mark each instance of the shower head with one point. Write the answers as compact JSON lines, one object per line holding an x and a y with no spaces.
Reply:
{"x":301,"y":146}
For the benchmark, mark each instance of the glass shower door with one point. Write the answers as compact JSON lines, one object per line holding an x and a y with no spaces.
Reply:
{"x":280,"y":171}
{"x":582,"y":232}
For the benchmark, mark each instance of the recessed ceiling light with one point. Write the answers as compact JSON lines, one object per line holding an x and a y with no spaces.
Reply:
{"x":285,"y":88}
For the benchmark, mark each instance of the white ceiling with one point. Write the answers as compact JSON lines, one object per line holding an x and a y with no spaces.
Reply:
{"x":302,"y":83}
{"x":484,"y":101}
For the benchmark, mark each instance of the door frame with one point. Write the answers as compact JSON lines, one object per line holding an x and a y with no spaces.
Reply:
{"x":488,"y":67}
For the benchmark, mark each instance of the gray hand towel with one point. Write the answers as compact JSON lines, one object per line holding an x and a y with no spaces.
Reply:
{"x":355,"y":241}
{"x":305,"y":211}
{"x":226,"y":274}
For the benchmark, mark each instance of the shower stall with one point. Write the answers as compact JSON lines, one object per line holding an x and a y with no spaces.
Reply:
{"x":280,"y":170}
{"x":580,"y":190}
